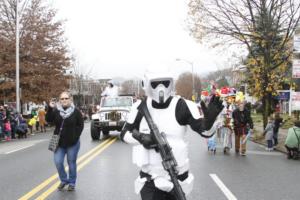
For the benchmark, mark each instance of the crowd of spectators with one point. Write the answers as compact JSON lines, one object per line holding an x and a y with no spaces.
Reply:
{"x":14,"y":125}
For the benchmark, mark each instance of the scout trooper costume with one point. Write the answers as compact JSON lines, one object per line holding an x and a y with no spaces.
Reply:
{"x":171,"y":114}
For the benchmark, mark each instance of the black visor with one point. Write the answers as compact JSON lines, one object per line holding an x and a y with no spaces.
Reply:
{"x":154,"y":84}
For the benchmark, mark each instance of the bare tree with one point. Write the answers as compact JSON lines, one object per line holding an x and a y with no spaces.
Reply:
{"x":129,"y":87}
{"x":132,"y":87}
{"x":184,"y":85}
{"x":221,"y":77}
{"x":264,"y":27}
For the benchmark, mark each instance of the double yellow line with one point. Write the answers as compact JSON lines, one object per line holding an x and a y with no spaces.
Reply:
{"x":82,"y":161}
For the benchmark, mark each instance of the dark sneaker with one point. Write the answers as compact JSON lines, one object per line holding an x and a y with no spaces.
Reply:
{"x":71,"y":188}
{"x":61,"y":186}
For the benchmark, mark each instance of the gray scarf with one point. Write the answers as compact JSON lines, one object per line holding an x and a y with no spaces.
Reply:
{"x":65,"y":113}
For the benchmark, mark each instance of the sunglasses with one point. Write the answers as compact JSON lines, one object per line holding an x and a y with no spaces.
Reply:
{"x":154,"y":84}
{"x":64,"y":99}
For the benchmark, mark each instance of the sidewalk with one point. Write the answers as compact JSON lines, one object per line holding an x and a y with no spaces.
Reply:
{"x":29,"y":135}
{"x":49,"y":129}
{"x":258,"y":127}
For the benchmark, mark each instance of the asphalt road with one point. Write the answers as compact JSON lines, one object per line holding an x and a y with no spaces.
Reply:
{"x":105,"y":172}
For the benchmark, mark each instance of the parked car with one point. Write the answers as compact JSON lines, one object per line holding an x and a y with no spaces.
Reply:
{"x":111,"y":115}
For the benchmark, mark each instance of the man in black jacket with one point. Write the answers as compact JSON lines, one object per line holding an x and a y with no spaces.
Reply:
{"x":242,"y":121}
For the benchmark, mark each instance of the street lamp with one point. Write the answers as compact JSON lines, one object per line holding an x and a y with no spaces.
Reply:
{"x":190,"y":63}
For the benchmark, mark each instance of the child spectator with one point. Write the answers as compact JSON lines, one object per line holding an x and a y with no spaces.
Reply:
{"x":32,"y":123}
{"x":7,"y":130}
{"x":269,"y":132}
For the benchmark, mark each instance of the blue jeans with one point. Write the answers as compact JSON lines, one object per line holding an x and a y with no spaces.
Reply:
{"x":59,"y":157}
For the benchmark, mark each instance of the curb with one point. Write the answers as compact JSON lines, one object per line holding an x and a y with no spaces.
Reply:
{"x":29,"y":135}
{"x":278,"y":148}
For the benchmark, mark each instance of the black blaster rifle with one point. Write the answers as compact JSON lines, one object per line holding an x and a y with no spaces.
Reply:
{"x":162,"y":146}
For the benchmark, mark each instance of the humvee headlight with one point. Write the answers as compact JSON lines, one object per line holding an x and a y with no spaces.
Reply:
{"x":102,"y":116}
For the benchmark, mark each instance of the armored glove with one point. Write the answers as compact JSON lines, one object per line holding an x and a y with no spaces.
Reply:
{"x":145,"y":139}
{"x":211,"y":111}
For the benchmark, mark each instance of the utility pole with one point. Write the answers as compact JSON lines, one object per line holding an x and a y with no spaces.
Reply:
{"x":17,"y":60}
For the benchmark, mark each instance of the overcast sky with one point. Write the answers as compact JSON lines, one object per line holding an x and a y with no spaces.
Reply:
{"x":122,"y":37}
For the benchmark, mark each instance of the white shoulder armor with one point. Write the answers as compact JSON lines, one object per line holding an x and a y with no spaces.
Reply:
{"x":133,"y":112}
{"x":193,"y":109}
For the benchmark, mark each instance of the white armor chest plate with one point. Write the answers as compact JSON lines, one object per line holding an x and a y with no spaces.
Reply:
{"x":165,"y":120}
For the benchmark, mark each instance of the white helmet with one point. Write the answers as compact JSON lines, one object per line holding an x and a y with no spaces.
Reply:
{"x":158,"y":85}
